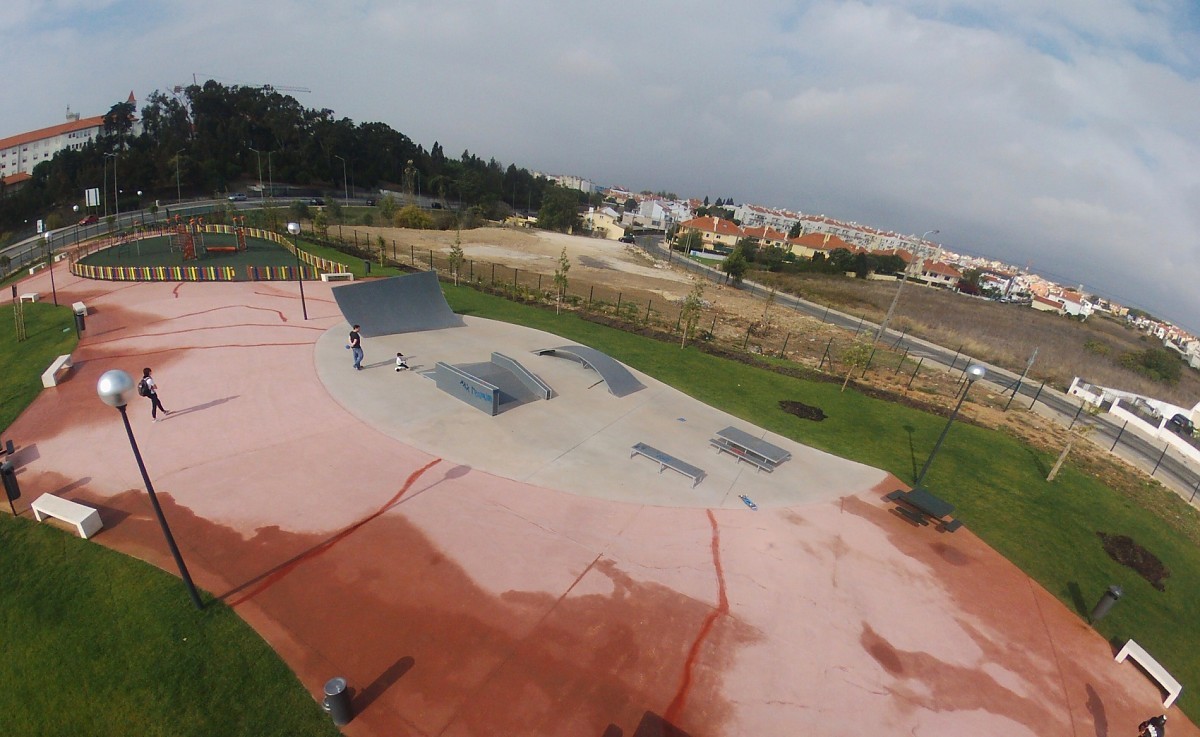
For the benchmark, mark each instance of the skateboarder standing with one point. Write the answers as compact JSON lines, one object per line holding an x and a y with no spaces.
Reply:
{"x":355,"y":345}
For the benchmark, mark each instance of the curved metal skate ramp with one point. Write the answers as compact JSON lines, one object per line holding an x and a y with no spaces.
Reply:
{"x":398,"y":304}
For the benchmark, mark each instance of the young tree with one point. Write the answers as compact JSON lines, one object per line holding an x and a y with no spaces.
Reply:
{"x":387,"y":207}
{"x":796,"y":230}
{"x":855,"y":356}
{"x":456,"y":256}
{"x":380,"y":243}
{"x":690,"y":241}
{"x":690,"y":312}
{"x":735,"y":266}
{"x":321,"y":224}
{"x":560,"y":279}
{"x":1080,"y":431}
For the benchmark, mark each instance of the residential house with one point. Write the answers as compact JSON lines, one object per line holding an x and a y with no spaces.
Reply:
{"x":1046,"y":304}
{"x":938,"y":274}
{"x":604,"y":222}
{"x":19,"y":154}
{"x":716,"y":233}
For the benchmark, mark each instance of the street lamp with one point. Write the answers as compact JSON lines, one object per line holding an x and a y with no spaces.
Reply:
{"x":50,"y":258}
{"x":114,"y":388}
{"x":903,"y":278}
{"x":258,"y":157}
{"x":116,"y":195}
{"x":345,"y":185}
{"x":975,"y":372}
{"x":178,"y":195}
{"x":294,"y":229}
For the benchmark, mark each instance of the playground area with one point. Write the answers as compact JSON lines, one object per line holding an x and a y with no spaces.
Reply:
{"x":212,"y":249}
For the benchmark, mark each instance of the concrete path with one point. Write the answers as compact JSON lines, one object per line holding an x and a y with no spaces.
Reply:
{"x":521,"y":574}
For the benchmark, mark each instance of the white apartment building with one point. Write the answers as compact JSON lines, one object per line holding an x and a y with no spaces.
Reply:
{"x":19,"y":154}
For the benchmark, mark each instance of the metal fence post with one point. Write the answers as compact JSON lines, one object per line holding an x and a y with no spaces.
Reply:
{"x":783,"y":350}
{"x":955,"y":360}
{"x":1076,"y":417}
{"x":914,"y":373}
{"x":868,"y":366}
{"x":900,"y":362}
{"x":901,"y":338}
{"x":647,"y":320}
{"x":1038,"y":394}
{"x":746,"y":342}
{"x":824,"y":355}
{"x":1160,"y":459}
{"x":1119,"y":434}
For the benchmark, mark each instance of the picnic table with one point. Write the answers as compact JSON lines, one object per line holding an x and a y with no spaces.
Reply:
{"x":746,"y":447}
{"x":922,"y":507}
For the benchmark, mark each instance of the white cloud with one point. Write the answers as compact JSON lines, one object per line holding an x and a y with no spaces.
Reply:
{"x":1060,"y":132}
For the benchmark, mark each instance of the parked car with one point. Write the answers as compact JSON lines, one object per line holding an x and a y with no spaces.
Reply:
{"x":89,"y":220}
{"x":1181,"y":424}
{"x":626,"y":239}
{"x":370,"y":202}
{"x":316,"y":201}
{"x":237,"y":197}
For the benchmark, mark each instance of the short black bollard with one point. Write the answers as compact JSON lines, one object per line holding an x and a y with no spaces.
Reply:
{"x":1110,"y":597}
{"x":337,"y":701}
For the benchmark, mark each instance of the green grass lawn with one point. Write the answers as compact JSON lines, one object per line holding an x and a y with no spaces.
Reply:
{"x":97,"y":643}
{"x":94,"y":641}
{"x":996,"y":482}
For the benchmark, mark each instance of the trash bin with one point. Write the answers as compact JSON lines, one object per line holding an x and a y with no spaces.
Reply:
{"x":367,"y":265}
{"x":1106,"y":601}
{"x":80,"y":322}
{"x":337,"y":701}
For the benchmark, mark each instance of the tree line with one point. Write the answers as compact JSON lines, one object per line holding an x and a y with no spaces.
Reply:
{"x":205,"y":139}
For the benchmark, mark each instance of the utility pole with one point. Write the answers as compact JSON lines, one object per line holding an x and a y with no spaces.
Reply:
{"x":903,"y":278}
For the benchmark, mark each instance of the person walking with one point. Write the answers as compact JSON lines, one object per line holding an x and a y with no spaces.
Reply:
{"x":356,"y":346}
{"x":149,"y":389}
{"x":1153,"y":727}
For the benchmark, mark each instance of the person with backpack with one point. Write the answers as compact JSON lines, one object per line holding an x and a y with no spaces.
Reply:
{"x":1153,"y":727}
{"x":147,"y":388}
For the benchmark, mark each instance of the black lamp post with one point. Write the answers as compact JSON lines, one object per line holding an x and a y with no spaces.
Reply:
{"x":114,"y":386}
{"x":294,"y":229}
{"x":975,"y":372}
{"x":50,"y":265}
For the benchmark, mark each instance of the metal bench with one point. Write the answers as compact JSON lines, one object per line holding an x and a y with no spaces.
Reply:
{"x":50,"y":375}
{"x":668,"y":461}
{"x":1153,"y":669}
{"x":85,"y":518}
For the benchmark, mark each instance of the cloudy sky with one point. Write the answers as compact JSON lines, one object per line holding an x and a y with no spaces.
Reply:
{"x":1061,"y":133}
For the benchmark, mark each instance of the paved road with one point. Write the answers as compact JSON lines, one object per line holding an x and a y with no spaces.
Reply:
{"x":1171,"y":469}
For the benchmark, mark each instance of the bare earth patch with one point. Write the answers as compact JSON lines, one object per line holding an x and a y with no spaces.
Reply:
{"x":1128,"y":553}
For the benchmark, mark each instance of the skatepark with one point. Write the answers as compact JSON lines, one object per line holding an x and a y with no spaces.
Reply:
{"x":523,"y":572}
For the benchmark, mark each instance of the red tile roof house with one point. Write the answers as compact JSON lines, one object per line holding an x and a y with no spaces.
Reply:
{"x":1045,"y":304}
{"x":938,"y":274}
{"x":715,"y":232}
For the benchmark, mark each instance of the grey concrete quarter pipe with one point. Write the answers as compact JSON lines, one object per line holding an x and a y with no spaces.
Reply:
{"x":398,"y":304}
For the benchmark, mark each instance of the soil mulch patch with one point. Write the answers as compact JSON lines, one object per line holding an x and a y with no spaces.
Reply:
{"x":802,"y":410}
{"x":1128,"y":553}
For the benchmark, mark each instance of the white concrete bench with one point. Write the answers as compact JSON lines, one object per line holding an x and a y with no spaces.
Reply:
{"x":50,"y":375}
{"x":1153,"y":669}
{"x":79,"y":308}
{"x":85,"y":518}
{"x":36,"y":268}
{"x":337,"y":276}
{"x":31,"y":296}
